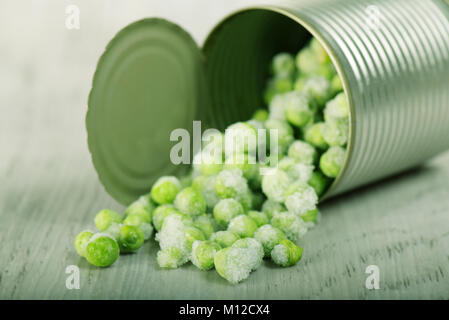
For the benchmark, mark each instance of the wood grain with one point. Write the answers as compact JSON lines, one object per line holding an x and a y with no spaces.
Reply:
{"x":49,"y":192}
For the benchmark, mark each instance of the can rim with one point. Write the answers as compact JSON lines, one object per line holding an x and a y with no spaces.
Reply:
{"x":295,"y":16}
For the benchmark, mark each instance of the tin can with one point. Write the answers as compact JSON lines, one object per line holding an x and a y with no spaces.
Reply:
{"x":391,"y":55}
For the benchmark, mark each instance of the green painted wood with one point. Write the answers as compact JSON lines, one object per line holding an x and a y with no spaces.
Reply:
{"x":49,"y":192}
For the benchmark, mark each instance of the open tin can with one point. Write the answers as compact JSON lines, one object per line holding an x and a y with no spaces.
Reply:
{"x":391,"y":55}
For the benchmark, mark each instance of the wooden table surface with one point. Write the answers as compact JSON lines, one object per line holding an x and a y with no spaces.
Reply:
{"x":49,"y":192}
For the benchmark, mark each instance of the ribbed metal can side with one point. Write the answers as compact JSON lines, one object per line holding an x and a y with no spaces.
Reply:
{"x":396,"y":64}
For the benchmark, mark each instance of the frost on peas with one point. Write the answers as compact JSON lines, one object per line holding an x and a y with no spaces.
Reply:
{"x":332,"y":161}
{"x":247,"y":163}
{"x":208,"y":162}
{"x":169,"y":258}
{"x":300,"y":198}
{"x":302,"y":152}
{"x":138,"y":208}
{"x":286,"y":253}
{"x":318,"y":182}
{"x":233,"y":264}
{"x":165,"y":189}
{"x":81,"y":241}
{"x":240,"y":137}
{"x":203,"y":254}
{"x":260,"y":115}
{"x":226,"y":210}
{"x":274,"y":184}
{"x":284,"y":132}
{"x":298,"y":109}
{"x":230,"y":184}
{"x":283,"y":64}
{"x":295,"y":170}
{"x":277,"y":107}
{"x":191,"y":202}
{"x":206,"y":224}
{"x":319,"y":88}
{"x":255,"y":251}
{"x":160,"y":213}
{"x":271,"y":207}
{"x":311,"y":217}
{"x":243,"y":225}
{"x":105,"y":218}
{"x":206,"y":186}
{"x":130,"y":238}
{"x":335,"y":132}
{"x":268,"y":236}
{"x":291,"y":224}
{"x":313,"y":135}
{"x":224,"y":238}
{"x":260,"y":218}
{"x":336,"y":108}
{"x":307,"y":61}
{"x":102,"y":250}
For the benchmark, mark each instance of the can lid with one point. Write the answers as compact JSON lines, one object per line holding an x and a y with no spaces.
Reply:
{"x":149,"y":81}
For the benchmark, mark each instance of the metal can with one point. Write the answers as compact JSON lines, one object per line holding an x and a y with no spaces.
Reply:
{"x":391,"y":55}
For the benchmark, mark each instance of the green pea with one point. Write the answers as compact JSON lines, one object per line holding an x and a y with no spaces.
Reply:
{"x":224,"y":238}
{"x":314,"y":136}
{"x":206,"y":224}
{"x":286,"y":253}
{"x":270,"y":207}
{"x":105,"y":218}
{"x":259,"y":218}
{"x":203,"y":254}
{"x":283,"y":64}
{"x":260,"y":115}
{"x":319,"y":182}
{"x":291,"y":224}
{"x":226,"y":210}
{"x":310,"y":216}
{"x":140,"y":222}
{"x":303,"y":152}
{"x":268,"y":236}
{"x":160,"y":213}
{"x":274,"y":185}
{"x":298,"y":109}
{"x":244,"y":162}
{"x":102,"y":250}
{"x":165,"y":189}
{"x":191,"y":234}
{"x":243,"y":225}
{"x":169,"y":258}
{"x":81,"y":241}
{"x":332,"y":161}
{"x":230,"y":184}
{"x":130,"y":238}
{"x":284,"y":131}
{"x":191,"y":202}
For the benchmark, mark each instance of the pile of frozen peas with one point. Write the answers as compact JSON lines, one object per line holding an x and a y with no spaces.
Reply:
{"x":225,"y":214}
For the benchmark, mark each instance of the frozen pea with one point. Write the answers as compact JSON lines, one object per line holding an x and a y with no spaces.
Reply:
{"x":336,"y":85}
{"x":300,"y":198}
{"x":332,"y":161}
{"x":230,"y":184}
{"x":160,"y":213}
{"x":277,"y":107}
{"x":169,"y":258}
{"x":139,"y":222}
{"x":191,"y":234}
{"x":319,"y":88}
{"x":335,"y":132}
{"x":303,"y":152}
{"x":203,"y":254}
{"x":268,"y":236}
{"x":295,"y":170}
{"x":226,"y":210}
{"x":233,"y":264}
{"x":138,"y":208}
{"x":206,"y":185}
{"x":286,"y":253}
{"x":102,"y":250}
{"x":284,"y":132}
{"x":319,"y":51}
{"x":130,"y":238}
{"x":243,"y":225}
{"x":291,"y":224}
{"x":224,"y":238}
{"x":255,"y":251}
{"x":212,"y":140}
{"x":165,"y":189}
{"x":298,"y":109}
{"x":307,"y":61}
{"x":310,"y":216}
{"x":314,"y":136}
{"x":81,"y":241}
{"x":206,"y":224}
{"x":260,"y":115}
{"x":191,"y":202}
{"x":274,"y":184}
{"x":113,"y":230}
{"x":258,"y":217}
{"x":282,"y":83}
{"x":337,"y":108}
{"x":247,"y":163}
{"x":240,"y":137}
{"x":270,"y":207}
{"x":208,"y":163}
{"x":246,"y":200}
{"x":283,"y":64}
{"x":105,"y":218}
{"x":318,"y":182}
